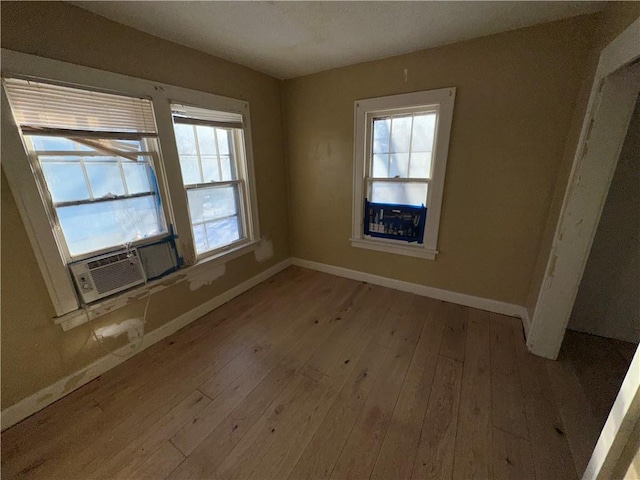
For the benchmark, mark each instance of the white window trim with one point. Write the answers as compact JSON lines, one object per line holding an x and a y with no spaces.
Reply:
{"x":25,"y":189}
{"x":443,"y":99}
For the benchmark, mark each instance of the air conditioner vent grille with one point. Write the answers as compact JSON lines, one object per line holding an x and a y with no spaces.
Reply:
{"x":108,"y":260}
{"x":115,"y":275}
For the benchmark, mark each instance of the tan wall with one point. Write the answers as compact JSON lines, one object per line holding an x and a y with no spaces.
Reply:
{"x":35,"y":352}
{"x":516,"y":94}
{"x":611,"y":22}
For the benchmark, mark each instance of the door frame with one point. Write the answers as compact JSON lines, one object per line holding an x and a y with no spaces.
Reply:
{"x":611,"y":103}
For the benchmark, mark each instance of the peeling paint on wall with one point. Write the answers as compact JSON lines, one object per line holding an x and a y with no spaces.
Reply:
{"x":205,"y":278}
{"x":264,"y":251}
{"x":133,"y":328}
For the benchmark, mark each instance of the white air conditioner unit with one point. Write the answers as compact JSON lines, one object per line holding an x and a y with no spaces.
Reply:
{"x":102,"y":276}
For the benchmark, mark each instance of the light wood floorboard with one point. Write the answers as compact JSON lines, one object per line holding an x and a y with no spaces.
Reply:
{"x":309,"y":375}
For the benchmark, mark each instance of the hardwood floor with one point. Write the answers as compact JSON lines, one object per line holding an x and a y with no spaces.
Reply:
{"x":314,"y":376}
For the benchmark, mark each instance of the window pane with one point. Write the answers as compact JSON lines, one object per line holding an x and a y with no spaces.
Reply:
{"x":424,"y":127}
{"x":137,"y":177}
{"x":401,"y":134}
{"x":223,"y":232}
{"x":105,"y":180}
{"x":99,"y":225}
{"x":210,"y":169}
{"x":380,"y":165}
{"x":65,"y":181}
{"x":224,"y":140}
{"x":381,"y":129}
{"x":200,"y":238}
{"x":420,"y":165}
{"x":210,"y":203}
{"x":185,"y":139}
{"x":206,"y":140}
{"x":53,"y":143}
{"x":399,"y":193}
{"x":190,"y":169}
{"x":399,"y":166}
{"x":228,"y":170}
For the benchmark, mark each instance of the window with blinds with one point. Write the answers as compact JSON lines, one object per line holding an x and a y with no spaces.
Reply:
{"x":211,"y":151}
{"x":93,"y":156}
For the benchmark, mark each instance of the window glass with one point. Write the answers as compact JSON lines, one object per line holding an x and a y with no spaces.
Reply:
{"x":399,"y":165}
{"x":210,"y":168}
{"x":223,"y":232}
{"x":214,"y":213}
{"x":90,"y":191}
{"x":185,"y":139}
{"x":424,"y":127}
{"x":105,"y":179}
{"x":402,"y":149}
{"x":401,"y":134}
{"x":65,"y":181}
{"x":190,"y":167}
{"x":381,"y":135}
{"x":94,"y":226}
{"x":137,"y":177}
{"x":212,"y":202}
{"x":214,"y":190}
{"x":399,"y":193}
{"x":206,"y":140}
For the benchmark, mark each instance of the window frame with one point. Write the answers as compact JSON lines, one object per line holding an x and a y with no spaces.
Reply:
{"x":25,"y":188}
{"x":238,"y":157}
{"x":442,"y":101}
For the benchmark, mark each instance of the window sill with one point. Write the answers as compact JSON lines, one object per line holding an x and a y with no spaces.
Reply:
{"x":100,"y":308}
{"x":392,"y":246}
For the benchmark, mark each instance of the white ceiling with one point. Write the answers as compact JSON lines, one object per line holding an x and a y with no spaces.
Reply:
{"x":290,"y":39}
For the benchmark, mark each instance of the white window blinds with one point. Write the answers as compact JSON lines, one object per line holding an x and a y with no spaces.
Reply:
{"x":41,"y":107}
{"x":213,"y":118}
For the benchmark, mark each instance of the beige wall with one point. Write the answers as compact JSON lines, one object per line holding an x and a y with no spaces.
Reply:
{"x":516,"y":93}
{"x":35,"y":352}
{"x":608,"y":300}
{"x":611,"y":22}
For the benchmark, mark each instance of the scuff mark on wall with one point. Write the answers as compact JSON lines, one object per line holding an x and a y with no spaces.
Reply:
{"x":133,"y":328}
{"x":205,"y":278}
{"x":73,"y":381}
{"x":44,"y":397}
{"x":264,"y":251}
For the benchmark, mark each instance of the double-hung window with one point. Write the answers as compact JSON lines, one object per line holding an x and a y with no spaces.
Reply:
{"x":212,"y":160}
{"x":401,"y":145}
{"x":92,"y":155}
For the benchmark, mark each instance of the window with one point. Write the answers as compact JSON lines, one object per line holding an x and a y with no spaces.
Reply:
{"x":400,"y":160}
{"x":210,"y":147}
{"x":93,"y":156}
{"x":82,"y":150}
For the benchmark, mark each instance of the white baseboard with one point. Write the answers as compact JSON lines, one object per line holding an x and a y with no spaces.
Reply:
{"x":30,"y":405}
{"x":487,"y":304}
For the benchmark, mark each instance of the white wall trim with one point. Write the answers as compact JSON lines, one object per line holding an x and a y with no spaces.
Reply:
{"x":487,"y":304}
{"x":39,"y":400}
